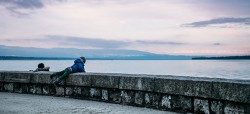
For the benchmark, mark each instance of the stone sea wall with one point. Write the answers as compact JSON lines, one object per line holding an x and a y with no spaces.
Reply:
{"x":163,"y":92}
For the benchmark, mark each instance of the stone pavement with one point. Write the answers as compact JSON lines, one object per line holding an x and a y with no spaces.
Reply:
{"x":14,"y":103}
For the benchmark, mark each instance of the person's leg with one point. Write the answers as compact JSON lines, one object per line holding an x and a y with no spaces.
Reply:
{"x":64,"y":75}
{"x":57,"y":74}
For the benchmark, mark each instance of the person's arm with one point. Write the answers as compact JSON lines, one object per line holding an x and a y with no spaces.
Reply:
{"x":81,"y":68}
{"x":36,"y":70}
{"x":46,"y":68}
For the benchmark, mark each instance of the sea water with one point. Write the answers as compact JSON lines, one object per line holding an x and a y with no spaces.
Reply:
{"x":230,"y":69}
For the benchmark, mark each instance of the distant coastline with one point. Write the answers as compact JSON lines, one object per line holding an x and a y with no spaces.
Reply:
{"x":33,"y":58}
{"x":152,"y":57}
{"x":246,"y":57}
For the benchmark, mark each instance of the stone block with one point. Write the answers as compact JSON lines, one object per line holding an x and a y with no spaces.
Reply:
{"x":237,"y":92}
{"x":231,"y":108}
{"x":41,"y":78}
{"x":115,"y":95}
{"x":216,"y":107}
{"x":137,"y":83}
{"x":2,"y":76}
{"x":69,"y":91}
{"x":105,"y":81}
{"x":85,"y":92}
{"x":78,"y":79}
{"x":201,"y":106}
{"x":1,"y":86}
{"x":181,"y":103}
{"x":2,"y":81}
{"x":156,"y":100}
{"x":20,"y":77}
{"x":148,"y":99}
{"x":95,"y":93}
{"x":20,"y":88}
{"x":139,"y":98}
{"x":60,"y":91}
{"x":77,"y":91}
{"x":48,"y":89}
{"x":73,"y":91}
{"x":35,"y":89}
{"x":9,"y":87}
{"x":183,"y":87}
{"x":127,"y":97}
{"x":105,"y":94}
{"x":166,"y":102}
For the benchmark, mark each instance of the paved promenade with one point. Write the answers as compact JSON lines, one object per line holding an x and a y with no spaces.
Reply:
{"x":14,"y":103}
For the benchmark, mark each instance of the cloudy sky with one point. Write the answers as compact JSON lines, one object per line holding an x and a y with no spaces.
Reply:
{"x":179,"y":27}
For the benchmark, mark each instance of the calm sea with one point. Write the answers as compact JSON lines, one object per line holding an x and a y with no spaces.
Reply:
{"x":231,"y":69}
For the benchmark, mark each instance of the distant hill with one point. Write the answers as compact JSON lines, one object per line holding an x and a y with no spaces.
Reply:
{"x":223,"y":58}
{"x":15,"y":52}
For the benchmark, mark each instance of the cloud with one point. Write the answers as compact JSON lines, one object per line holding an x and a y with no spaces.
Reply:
{"x":158,"y":42}
{"x":26,"y":4}
{"x":245,"y":21}
{"x":21,"y":7}
{"x":216,"y":44}
{"x":83,"y":42}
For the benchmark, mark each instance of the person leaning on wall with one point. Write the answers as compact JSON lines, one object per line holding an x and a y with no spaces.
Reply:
{"x":78,"y":66}
{"x":41,"y":67}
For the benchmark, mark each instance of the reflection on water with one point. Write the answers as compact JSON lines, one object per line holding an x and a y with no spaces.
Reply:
{"x":233,"y":69}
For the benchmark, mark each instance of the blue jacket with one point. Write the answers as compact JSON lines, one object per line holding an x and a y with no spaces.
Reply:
{"x":78,"y":66}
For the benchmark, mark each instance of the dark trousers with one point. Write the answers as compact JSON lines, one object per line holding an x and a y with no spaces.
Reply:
{"x":62,"y":74}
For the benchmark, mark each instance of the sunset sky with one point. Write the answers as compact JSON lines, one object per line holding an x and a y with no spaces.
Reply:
{"x":178,"y":27}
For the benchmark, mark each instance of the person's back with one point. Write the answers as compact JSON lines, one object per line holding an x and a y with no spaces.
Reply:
{"x":78,"y":65}
{"x":41,"y":67}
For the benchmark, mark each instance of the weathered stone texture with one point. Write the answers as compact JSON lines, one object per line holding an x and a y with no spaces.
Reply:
{"x":182,"y":94}
{"x":115,"y":95}
{"x":41,"y":77}
{"x":148,"y":99}
{"x":60,"y":91}
{"x":181,"y":103}
{"x":139,"y":97}
{"x":95,"y":93}
{"x":136,"y":83}
{"x":234,"y":109}
{"x":166,"y":102}
{"x":48,"y":90}
{"x":35,"y":89}
{"x":156,"y":100}
{"x":231,"y":91}
{"x":1,"y":81}
{"x":105,"y":81}
{"x":79,"y":79}
{"x":77,"y":91}
{"x":2,"y":76}
{"x":216,"y":107}
{"x":69,"y":91}
{"x":9,"y":87}
{"x":183,"y":87}
{"x":1,"y":86}
{"x":201,"y":106}
{"x":20,"y":88}
{"x":127,"y":97}
{"x":105,"y":94}
{"x":20,"y":77}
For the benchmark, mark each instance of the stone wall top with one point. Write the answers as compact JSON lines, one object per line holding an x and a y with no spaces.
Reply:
{"x":201,"y":87}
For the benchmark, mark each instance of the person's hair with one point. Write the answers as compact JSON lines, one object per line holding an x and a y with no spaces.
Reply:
{"x":40,"y":65}
{"x":83,"y":59}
